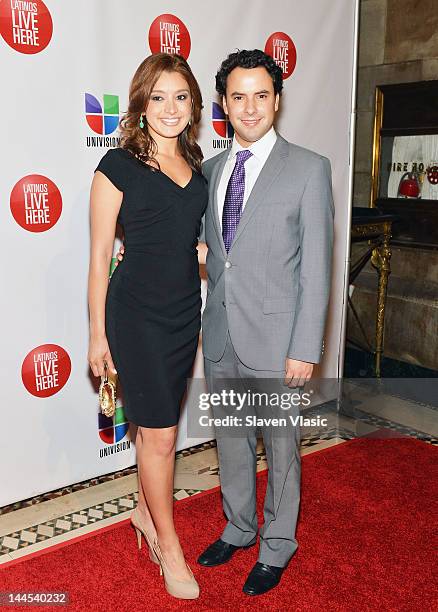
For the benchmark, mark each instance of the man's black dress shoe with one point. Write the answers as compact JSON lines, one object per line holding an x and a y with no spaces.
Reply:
{"x":219,"y":552}
{"x":262,"y":578}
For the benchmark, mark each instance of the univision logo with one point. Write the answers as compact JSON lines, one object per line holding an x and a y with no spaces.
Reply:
{"x":102,"y":119}
{"x":222,"y":127}
{"x":112,"y":431}
{"x":221,"y":124}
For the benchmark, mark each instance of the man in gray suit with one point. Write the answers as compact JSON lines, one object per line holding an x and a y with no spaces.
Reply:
{"x":269,"y":233}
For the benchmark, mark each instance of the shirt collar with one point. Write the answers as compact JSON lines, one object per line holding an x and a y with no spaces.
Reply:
{"x":260,"y":149}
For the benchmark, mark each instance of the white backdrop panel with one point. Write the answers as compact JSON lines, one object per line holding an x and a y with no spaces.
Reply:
{"x":49,"y":442}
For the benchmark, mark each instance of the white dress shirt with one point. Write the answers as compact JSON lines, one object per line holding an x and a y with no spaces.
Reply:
{"x":260,"y":152}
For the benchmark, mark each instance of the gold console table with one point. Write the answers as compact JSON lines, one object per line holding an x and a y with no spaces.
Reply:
{"x":374,"y":227}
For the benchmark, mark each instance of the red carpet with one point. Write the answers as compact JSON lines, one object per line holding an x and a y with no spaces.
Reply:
{"x":365,"y":534}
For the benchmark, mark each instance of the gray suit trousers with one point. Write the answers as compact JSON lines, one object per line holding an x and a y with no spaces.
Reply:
{"x":238,"y":461}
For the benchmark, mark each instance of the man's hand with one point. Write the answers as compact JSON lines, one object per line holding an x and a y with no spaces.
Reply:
{"x":119,"y":256}
{"x":202,"y":253}
{"x":297,"y":372}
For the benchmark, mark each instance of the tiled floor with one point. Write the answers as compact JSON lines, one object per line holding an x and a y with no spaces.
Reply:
{"x":42,"y":522}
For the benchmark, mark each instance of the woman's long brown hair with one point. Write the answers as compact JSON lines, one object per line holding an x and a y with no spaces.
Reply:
{"x":137,"y":139}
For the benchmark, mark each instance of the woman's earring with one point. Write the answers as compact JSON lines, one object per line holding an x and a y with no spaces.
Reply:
{"x":141,"y":121}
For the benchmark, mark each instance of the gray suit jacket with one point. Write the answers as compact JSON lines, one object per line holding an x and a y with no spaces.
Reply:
{"x":271,"y":291}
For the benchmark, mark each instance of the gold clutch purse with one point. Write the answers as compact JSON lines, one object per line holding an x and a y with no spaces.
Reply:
{"x":107,"y":392}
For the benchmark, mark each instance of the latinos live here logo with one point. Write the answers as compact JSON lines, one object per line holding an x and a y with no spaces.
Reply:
{"x":102,"y":120}
{"x":25,"y":26}
{"x":45,"y":370}
{"x":281,"y":48}
{"x":168,"y":34}
{"x":36,"y":203}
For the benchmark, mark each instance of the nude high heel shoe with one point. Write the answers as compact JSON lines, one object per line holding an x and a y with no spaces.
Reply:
{"x":181,"y":589}
{"x":136,"y":523}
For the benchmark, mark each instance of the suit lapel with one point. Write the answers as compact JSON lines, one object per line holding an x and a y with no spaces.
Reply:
{"x":215,"y":178}
{"x":272,"y":168}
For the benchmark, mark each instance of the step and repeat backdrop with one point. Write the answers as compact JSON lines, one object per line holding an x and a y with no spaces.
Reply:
{"x":66,"y":69}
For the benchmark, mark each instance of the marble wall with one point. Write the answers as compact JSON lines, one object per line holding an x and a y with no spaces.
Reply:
{"x":398,"y":43}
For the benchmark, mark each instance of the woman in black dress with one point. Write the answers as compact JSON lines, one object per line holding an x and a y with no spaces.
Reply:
{"x":146,"y":323}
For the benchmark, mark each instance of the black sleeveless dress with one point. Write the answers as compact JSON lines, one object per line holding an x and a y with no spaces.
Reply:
{"x":153,"y":304}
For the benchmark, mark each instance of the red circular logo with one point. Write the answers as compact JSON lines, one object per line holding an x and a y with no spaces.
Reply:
{"x":36,"y":203}
{"x":168,"y":34}
{"x":280,"y":46}
{"x":26,"y":26}
{"x":45,"y":370}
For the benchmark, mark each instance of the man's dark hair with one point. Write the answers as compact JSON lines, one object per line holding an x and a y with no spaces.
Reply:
{"x":249,"y":59}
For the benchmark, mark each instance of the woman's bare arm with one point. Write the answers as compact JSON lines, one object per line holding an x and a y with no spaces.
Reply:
{"x":105,"y":202}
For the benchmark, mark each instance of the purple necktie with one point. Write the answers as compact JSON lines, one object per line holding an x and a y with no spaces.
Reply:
{"x":234,"y":198}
